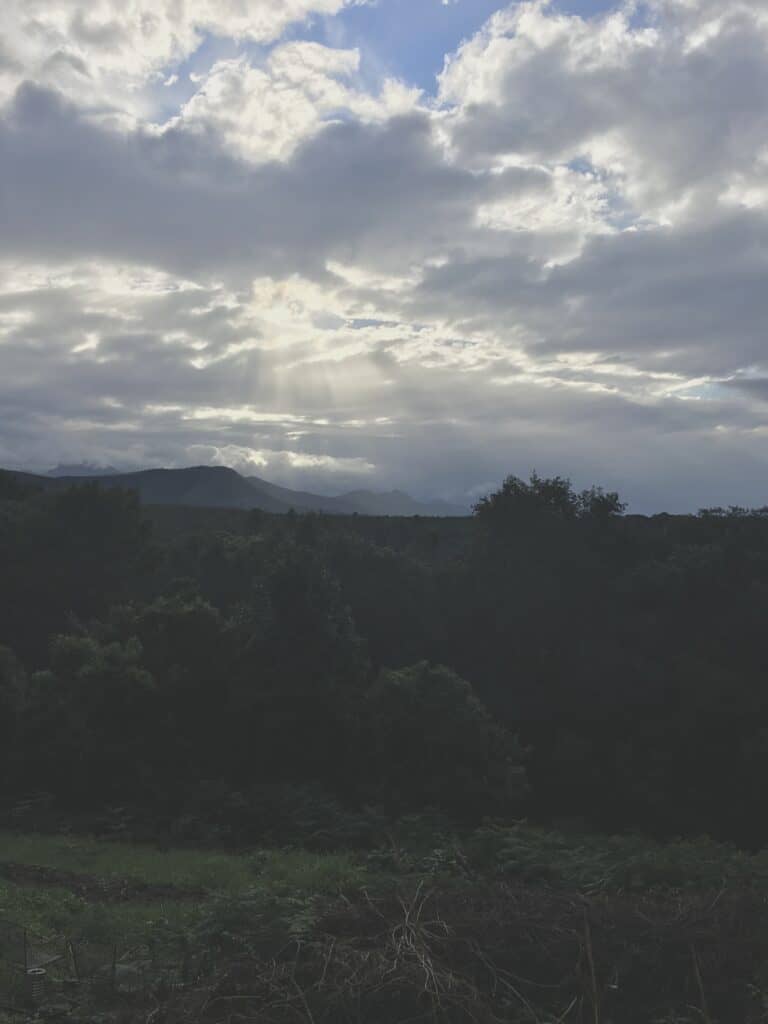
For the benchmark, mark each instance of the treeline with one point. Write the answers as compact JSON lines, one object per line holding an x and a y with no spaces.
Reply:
{"x":217,"y":674}
{"x":566,"y":663}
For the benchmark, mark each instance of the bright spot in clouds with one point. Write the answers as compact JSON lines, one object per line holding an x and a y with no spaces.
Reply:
{"x":269,"y":235}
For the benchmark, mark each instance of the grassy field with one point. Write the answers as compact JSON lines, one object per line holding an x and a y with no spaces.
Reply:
{"x":511,"y":924}
{"x":104,"y":896}
{"x":84,"y":855}
{"x":80,"y":868}
{"x":61,"y":883}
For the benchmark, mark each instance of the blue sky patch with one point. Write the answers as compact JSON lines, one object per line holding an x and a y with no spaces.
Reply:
{"x":409,"y":39}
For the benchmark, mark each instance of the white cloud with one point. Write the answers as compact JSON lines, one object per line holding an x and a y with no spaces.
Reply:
{"x":669,"y":111}
{"x":558,"y":263}
{"x":264,"y":113}
{"x":281,"y":465}
{"x":103,"y":51}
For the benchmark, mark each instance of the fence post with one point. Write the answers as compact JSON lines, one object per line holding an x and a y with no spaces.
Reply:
{"x":36,"y":984}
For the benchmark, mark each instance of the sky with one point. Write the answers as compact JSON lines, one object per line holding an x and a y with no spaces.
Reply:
{"x":398,"y":243}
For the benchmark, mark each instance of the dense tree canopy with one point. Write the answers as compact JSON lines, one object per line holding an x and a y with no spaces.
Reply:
{"x":391,"y":662}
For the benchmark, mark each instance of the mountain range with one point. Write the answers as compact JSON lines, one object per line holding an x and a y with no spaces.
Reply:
{"x":220,"y":487}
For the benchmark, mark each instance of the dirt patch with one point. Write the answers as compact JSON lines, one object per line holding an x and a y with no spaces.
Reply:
{"x":92,"y":887}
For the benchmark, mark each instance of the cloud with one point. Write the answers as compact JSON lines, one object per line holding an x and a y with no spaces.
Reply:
{"x":265,"y":113}
{"x":179,"y":201}
{"x":558,"y":263}
{"x":691,"y":300}
{"x":666,"y":109}
{"x":330,"y":472}
{"x":105,"y":50}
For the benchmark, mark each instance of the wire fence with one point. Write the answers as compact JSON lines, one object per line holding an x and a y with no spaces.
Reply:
{"x":35,"y":971}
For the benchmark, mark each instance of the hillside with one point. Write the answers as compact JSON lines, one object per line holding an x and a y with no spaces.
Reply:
{"x":361,"y":502}
{"x":221,"y":487}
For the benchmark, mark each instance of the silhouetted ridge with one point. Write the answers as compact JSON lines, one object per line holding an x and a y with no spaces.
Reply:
{"x":222,"y":487}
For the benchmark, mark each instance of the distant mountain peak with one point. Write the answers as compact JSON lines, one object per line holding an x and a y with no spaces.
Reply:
{"x":82,"y":469}
{"x":224,"y":487}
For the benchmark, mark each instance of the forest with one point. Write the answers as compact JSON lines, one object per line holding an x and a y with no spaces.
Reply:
{"x":549,"y":658}
{"x":335,"y":769}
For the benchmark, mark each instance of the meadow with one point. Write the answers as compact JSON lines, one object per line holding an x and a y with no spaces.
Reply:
{"x":511,"y":923}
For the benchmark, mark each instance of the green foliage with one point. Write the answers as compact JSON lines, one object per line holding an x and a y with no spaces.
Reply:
{"x":255,"y":924}
{"x":251,"y":678}
{"x":259,"y":899}
{"x":86,"y":716}
{"x":82,"y":855}
{"x":596,"y":863}
{"x":13,"y":487}
{"x":433,"y":744}
{"x":520,"y":503}
{"x":67,"y":555}
{"x":53,"y":912}
{"x":300,"y":872}
{"x":611,"y":924}
{"x":393,"y":598}
{"x":280,"y":814}
{"x":12,"y":696}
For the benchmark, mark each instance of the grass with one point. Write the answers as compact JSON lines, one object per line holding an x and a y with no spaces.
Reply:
{"x":185,"y":868}
{"x":53,"y":911}
{"x":274,"y":891}
{"x":588,"y":864}
{"x":299,"y":872}
{"x":515,"y":923}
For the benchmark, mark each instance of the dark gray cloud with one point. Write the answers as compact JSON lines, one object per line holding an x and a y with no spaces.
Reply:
{"x":691,"y":300}
{"x":559,"y":265}
{"x":179,"y":201}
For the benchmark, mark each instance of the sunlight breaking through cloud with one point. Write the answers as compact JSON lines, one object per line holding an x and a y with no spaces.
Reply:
{"x":300,"y":256}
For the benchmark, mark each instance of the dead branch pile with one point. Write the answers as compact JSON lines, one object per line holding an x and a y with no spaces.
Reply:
{"x":503,"y":953}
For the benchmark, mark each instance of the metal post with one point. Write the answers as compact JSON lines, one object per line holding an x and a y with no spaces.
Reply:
{"x":36,"y":985}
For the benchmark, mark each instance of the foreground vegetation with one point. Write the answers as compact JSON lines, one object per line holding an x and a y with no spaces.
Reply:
{"x":508,"y":923}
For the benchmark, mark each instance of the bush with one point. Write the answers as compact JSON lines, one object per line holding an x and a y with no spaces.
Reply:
{"x":594,"y":863}
{"x":429,"y":742}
